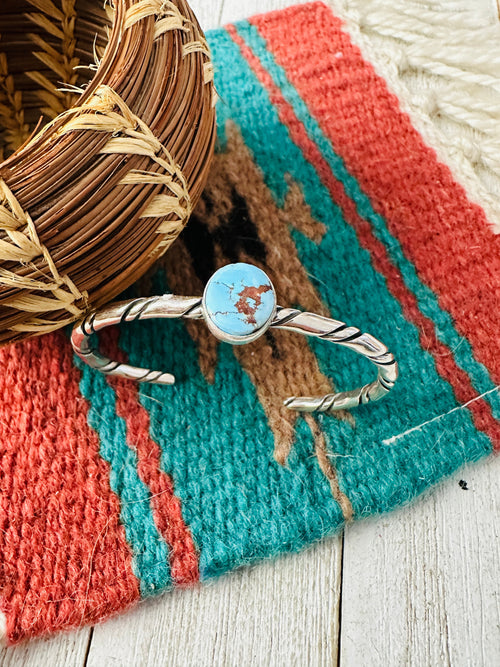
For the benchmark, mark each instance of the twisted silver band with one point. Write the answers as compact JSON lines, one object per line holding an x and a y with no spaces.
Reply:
{"x":170,"y":306}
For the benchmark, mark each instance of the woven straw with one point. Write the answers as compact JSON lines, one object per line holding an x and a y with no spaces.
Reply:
{"x":97,"y":178}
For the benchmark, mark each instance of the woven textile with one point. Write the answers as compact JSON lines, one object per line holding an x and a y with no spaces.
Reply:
{"x":111,"y":492}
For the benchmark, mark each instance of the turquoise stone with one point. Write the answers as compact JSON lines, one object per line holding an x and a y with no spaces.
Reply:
{"x":239,"y":299}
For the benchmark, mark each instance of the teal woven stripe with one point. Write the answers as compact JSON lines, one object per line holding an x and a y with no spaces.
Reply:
{"x":376,"y":472}
{"x":238,"y":503}
{"x":428,"y":304}
{"x":149,"y":551}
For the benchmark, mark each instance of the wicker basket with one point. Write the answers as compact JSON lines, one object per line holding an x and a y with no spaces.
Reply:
{"x":97,"y":178}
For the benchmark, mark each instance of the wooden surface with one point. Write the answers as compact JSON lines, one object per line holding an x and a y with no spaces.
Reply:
{"x":420,"y":587}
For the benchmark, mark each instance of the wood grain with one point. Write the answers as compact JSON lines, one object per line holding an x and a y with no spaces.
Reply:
{"x":278,"y":613}
{"x":421,"y":586}
{"x":69,"y":650}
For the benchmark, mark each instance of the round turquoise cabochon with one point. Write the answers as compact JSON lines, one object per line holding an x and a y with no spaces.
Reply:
{"x":239,"y":299}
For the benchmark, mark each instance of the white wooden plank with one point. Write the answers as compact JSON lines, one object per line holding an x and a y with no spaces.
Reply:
{"x":277,"y":613}
{"x":421,"y":587}
{"x":68,"y":650}
{"x":234,"y":10}
{"x":208,"y":12}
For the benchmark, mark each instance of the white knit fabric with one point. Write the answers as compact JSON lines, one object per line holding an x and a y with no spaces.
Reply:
{"x":442,"y":59}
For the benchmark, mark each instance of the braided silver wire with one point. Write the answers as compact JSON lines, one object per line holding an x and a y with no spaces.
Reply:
{"x":170,"y":306}
{"x":338,"y":332}
{"x":167,"y":306}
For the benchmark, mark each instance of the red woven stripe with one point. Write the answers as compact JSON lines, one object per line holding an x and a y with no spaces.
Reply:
{"x":444,"y":235}
{"x":64,"y":559}
{"x":445,"y":364}
{"x":166,"y":506}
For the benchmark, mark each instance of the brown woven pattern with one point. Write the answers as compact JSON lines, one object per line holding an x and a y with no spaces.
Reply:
{"x":105,"y":173}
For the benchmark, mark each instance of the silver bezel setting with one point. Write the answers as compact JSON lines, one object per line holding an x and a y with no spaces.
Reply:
{"x":229,"y":338}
